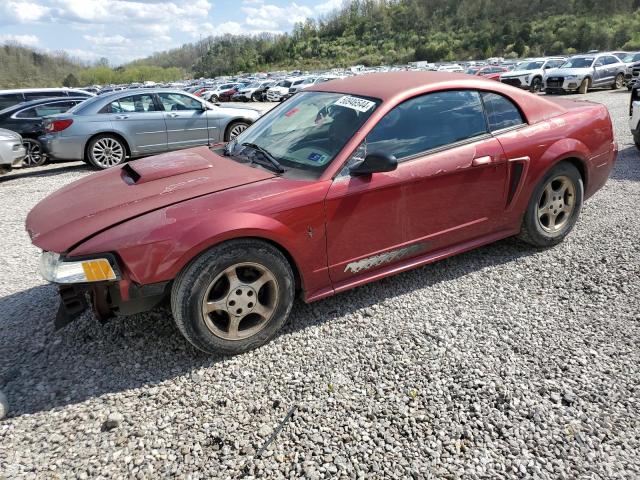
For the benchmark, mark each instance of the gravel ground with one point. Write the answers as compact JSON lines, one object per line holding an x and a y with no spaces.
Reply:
{"x":502,"y":362}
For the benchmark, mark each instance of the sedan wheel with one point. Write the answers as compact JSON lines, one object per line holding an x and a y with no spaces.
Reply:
{"x":556,"y":204}
{"x":554,"y":207}
{"x":34,"y":157}
{"x":234,"y":297}
{"x":619,"y":82}
{"x":106,"y":152}
{"x":235,"y":129}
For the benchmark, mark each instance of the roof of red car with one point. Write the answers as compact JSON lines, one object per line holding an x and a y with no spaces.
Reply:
{"x":398,"y":86}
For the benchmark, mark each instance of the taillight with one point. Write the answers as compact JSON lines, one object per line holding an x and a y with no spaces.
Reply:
{"x":54,"y":126}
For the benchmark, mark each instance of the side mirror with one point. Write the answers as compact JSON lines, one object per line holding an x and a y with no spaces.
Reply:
{"x":373,"y":163}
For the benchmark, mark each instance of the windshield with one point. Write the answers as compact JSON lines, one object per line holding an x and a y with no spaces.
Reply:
{"x":307,"y":131}
{"x":253,"y":85}
{"x":530,"y":65}
{"x":631,"y":57}
{"x":578,"y":62}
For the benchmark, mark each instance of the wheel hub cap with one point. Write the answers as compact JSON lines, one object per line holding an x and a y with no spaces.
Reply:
{"x":241,"y":300}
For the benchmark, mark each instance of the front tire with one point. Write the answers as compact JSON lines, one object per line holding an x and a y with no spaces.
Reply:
{"x":234,"y":297}
{"x":34,"y":157}
{"x":536,"y":85}
{"x":106,"y":151}
{"x":554,"y":207}
{"x":235,"y":129}
{"x":618,"y":82}
{"x":584,"y":86}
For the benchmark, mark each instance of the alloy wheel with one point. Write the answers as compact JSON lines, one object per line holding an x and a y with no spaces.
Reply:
{"x":556,"y":204}
{"x":619,"y":81}
{"x":237,"y":130}
{"x":107,"y":152}
{"x":34,"y":156}
{"x":240,"y":301}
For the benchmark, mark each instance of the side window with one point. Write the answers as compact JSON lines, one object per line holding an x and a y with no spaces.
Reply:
{"x":501,"y":112}
{"x":53,"y":108}
{"x":610,"y":60}
{"x":28,"y":113}
{"x":134,"y":103}
{"x":428,"y":122}
{"x":176,"y":102}
{"x":599,"y":62}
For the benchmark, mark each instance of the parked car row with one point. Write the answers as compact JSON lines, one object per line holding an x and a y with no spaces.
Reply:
{"x":105,"y":130}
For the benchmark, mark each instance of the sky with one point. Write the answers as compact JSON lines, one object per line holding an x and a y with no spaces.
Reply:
{"x":123,"y":30}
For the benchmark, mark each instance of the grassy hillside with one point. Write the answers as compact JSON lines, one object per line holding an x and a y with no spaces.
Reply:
{"x":25,"y":67}
{"x":373,"y":32}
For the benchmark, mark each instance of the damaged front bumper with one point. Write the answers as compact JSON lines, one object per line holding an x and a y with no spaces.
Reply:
{"x":100,"y":282}
{"x":108,"y":300}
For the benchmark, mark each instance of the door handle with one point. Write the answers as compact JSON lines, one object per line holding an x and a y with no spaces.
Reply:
{"x":173,"y":115}
{"x":122,"y":117}
{"x":480,"y":161}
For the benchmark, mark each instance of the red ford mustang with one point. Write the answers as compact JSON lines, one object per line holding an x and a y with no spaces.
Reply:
{"x":345,"y":183}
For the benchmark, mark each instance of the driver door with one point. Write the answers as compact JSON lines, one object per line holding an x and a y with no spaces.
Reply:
{"x":186,"y":119}
{"x":600,"y":75}
{"x":449,"y":187}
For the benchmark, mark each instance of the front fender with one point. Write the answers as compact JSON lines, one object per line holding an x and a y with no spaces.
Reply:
{"x":156,"y":246}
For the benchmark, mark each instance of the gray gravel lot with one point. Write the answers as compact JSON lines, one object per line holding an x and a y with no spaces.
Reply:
{"x":502,"y":362}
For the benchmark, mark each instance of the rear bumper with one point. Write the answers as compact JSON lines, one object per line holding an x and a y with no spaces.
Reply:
{"x":63,"y":148}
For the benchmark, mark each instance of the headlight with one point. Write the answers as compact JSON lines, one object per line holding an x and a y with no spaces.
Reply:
{"x":55,"y":270}
{"x":571,"y":77}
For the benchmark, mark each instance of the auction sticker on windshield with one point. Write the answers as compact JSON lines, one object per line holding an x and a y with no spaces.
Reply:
{"x":355,"y":103}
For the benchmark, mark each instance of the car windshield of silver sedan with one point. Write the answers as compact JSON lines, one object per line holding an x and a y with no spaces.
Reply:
{"x":578,"y":62}
{"x":305,"y":133}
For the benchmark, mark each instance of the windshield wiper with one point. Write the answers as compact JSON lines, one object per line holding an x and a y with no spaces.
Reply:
{"x":277,"y":166}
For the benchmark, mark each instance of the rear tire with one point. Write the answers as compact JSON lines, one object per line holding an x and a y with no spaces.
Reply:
{"x":234,"y":297}
{"x":106,"y":151}
{"x":255,"y":97}
{"x":554,"y":207}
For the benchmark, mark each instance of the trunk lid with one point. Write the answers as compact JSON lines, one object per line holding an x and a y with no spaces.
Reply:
{"x":99,"y":201}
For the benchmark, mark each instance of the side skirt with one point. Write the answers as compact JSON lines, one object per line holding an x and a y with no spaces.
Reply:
{"x":411,"y":263}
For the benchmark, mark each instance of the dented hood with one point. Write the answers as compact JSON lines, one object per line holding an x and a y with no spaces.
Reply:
{"x":99,"y":201}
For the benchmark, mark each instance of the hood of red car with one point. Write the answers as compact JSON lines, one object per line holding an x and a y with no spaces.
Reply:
{"x":99,"y":201}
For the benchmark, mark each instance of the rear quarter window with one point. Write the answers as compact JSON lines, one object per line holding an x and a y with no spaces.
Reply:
{"x":501,"y":112}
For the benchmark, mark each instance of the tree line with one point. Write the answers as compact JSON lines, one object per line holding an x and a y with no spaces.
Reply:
{"x":369,"y":32}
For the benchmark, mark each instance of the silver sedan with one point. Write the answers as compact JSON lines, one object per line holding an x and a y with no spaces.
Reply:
{"x":12,"y":152}
{"x":106,"y":130}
